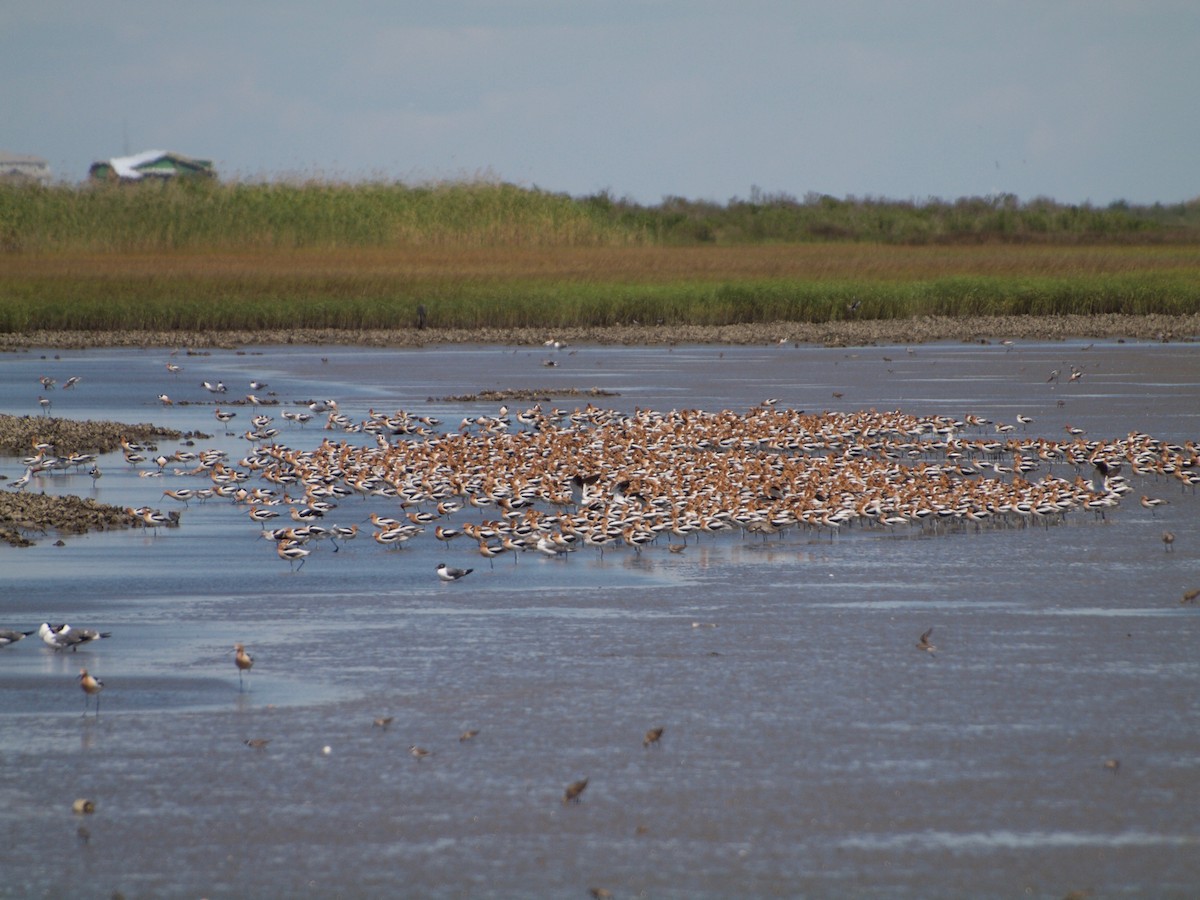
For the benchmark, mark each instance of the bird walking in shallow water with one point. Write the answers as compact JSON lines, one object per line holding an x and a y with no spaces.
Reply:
{"x":244,"y":662}
{"x":91,"y":687}
{"x":1168,"y":539}
{"x":574,"y":791}
{"x":653,"y":736}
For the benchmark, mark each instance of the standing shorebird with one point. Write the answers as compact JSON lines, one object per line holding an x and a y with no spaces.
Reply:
{"x":91,"y":687}
{"x":923,"y":643}
{"x":449,"y":573}
{"x":244,"y":662}
{"x":1168,"y":539}
{"x":574,"y":791}
{"x":419,"y":753}
{"x":653,"y":736}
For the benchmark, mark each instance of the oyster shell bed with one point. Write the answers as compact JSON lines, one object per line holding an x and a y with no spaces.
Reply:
{"x":23,"y":513}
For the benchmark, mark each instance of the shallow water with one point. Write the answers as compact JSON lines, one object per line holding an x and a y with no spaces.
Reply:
{"x":810,"y":748}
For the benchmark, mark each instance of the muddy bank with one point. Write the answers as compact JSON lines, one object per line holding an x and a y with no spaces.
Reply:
{"x":23,"y":513}
{"x":843,"y":333}
{"x":20,"y":435}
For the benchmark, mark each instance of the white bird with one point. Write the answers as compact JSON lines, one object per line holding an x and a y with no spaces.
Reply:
{"x":23,"y":480}
{"x":447,"y":573}
{"x":62,"y":636}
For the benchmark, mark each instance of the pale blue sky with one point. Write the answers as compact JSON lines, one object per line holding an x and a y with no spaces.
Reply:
{"x":1080,"y":100}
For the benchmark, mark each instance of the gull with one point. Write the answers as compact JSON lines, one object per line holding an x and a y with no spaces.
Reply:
{"x":91,"y":687}
{"x":11,"y":637}
{"x":243,"y":660}
{"x":924,"y":644}
{"x":653,"y":736}
{"x":574,"y":791}
{"x":62,"y":636}
{"x":448,"y":573}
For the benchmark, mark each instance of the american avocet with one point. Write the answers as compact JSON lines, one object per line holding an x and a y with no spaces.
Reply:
{"x":1151,"y":502}
{"x":62,"y":636}
{"x":449,"y":573}
{"x":653,"y":736}
{"x":291,"y":552}
{"x":574,"y":791}
{"x":243,"y":660}
{"x":71,"y":382}
{"x":11,"y":637}
{"x":91,"y":687}
{"x":923,"y":642}
{"x":345,"y":532}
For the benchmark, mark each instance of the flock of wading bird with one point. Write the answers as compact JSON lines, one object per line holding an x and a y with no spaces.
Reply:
{"x":552,"y":482}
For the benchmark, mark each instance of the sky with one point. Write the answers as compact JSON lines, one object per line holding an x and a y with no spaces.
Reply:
{"x":1076,"y":100}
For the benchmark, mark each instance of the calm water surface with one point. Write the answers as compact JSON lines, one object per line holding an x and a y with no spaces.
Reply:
{"x":810,"y":749}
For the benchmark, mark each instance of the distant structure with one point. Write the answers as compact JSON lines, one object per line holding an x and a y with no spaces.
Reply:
{"x":159,"y":164}
{"x":19,"y":167}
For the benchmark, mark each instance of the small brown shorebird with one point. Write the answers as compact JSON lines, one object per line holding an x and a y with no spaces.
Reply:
{"x":574,"y":791}
{"x":653,"y":736}
{"x":923,"y":643}
{"x":244,"y":662}
{"x":419,"y":753}
{"x":1190,"y":596}
{"x":1113,"y":765}
{"x":91,"y":687}
{"x":468,"y":735}
{"x":599,"y":893}
{"x":1168,"y":538}
{"x":256,"y":743}
{"x":382,"y":722}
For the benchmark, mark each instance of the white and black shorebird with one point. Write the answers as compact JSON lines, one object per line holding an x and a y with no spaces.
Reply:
{"x":62,"y":636}
{"x":449,"y":573}
{"x":11,"y":637}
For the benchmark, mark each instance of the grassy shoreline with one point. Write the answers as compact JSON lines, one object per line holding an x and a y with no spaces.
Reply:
{"x":180,"y":258}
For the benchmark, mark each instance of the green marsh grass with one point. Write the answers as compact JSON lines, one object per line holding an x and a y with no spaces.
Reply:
{"x":238,"y":257}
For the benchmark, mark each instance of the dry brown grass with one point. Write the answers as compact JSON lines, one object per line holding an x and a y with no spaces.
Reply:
{"x":817,"y":262}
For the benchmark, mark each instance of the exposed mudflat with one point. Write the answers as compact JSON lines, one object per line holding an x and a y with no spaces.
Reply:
{"x":845,"y":333}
